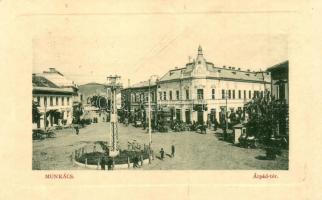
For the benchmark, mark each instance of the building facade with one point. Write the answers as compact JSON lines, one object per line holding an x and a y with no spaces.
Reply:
{"x":135,"y":99}
{"x":55,"y":103}
{"x":279,"y":83}
{"x":200,"y":91}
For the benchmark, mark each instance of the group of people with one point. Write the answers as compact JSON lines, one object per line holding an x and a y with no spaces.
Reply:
{"x":172,"y":152}
{"x":108,"y":162}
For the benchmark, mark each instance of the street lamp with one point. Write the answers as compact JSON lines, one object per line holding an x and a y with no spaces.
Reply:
{"x":149,"y":115}
{"x":226,"y":117}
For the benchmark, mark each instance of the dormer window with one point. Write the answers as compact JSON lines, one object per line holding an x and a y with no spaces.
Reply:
{"x":199,"y":62}
{"x":247,"y":74}
{"x":233,"y":72}
{"x":219,"y":70}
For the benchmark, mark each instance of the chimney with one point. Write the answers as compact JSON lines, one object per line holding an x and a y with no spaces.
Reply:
{"x":224,"y":66}
{"x":229,"y":67}
{"x":52,"y":69}
{"x":128,"y":83}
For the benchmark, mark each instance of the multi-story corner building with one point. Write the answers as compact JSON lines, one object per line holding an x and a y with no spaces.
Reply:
{"x":201,"y":91}
{"x":55,"y":103}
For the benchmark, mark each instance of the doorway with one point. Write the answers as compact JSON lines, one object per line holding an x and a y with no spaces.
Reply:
{"x":200,"y":117}
{"x":178,"y":114}
{"x":188,"y":119}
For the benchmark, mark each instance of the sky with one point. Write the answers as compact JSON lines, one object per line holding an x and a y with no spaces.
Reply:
{"x":90,"y":48}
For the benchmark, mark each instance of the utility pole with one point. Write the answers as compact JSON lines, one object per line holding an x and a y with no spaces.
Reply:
{"x":149,"y":115}
{"x":150,"y":133}
{"x":226,"y":116}
{"x":114,"y":84}
{"x":45,"y":116}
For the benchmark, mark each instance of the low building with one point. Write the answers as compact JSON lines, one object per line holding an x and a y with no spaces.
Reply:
{"x":135,"y":99}
{"x":280,"y":92}
{"x":55,"y":103}
{"x":279,"y":83}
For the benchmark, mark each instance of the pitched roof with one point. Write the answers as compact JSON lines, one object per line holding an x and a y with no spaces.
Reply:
{"x":278,"y":66}
{"x":237,"y":74}
{"x":143,"y":84}
{"x":209,"y":70}
{"x":176,"y":74}
{"x":58,"y":78}
{"x":39,"y":81}
{"x":41,"y":85}
{"x":216,"y":72}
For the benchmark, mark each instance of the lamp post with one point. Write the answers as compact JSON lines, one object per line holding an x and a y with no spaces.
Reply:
{"x":45,"y":114}
{"x":226,"y":118}
{"x":149,"y":115}
{"x":226,"y":114}
{"x":113,"y":84}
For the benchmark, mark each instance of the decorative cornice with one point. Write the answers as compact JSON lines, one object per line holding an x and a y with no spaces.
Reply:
{"x":214,"y":78}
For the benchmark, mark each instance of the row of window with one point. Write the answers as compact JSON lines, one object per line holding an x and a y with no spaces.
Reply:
{"x":163,"y":96}
{"x":53,"y":101}
{"x":231,"y":94}
{"x":141,"y":97}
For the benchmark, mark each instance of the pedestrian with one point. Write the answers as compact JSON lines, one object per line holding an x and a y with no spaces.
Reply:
{"x":109,"y":163}
{"x":144,"y":125}
{"x":203,"y":127}
{"x":103,"y":163}
{"x":135,"y":162}
{"x":162,"y":153}
{"x":208,"y":123}
{"x":77,"y":130}
{"x":172,"y":150}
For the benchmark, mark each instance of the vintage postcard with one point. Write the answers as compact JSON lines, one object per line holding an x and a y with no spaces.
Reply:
{"x":190,"y":97}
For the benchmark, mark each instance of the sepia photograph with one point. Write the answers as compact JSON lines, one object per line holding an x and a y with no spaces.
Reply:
{"x":160,"y":99}
{"x":165,"y":99}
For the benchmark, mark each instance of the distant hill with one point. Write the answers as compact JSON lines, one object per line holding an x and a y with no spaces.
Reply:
{"x":90,"y":89}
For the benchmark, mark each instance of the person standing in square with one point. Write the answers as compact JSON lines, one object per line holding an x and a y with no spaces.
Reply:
{"x":162,"y":153}
{"x":172,"y":150}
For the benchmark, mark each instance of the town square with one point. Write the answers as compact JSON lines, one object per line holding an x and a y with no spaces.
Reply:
{"x":161,"y":100}
{"x":198,"y":117}
{"x":194,"y":151}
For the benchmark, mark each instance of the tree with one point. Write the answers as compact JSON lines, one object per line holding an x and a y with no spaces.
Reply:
{"x":35,"y":112}
{"x":268,"y":118}
{"x":99,"y":102}
{"x":77,"y":113}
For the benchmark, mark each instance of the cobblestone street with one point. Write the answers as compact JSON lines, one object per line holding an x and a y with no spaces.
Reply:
{"x":193,"y":150}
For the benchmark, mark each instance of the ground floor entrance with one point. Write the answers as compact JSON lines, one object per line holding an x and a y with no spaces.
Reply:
{"x":200,"y":117}
{"x":178,"y":114}
{"x":188,"y":117}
